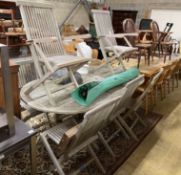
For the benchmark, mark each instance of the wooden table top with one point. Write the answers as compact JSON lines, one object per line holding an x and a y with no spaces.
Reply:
{"x":38,"y":99}
{"x":64,"y":102}
{"x":152,"y":70}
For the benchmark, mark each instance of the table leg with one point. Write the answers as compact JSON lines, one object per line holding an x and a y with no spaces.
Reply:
{"x":33,"y":154}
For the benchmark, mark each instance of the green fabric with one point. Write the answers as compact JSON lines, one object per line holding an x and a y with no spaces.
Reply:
{"x":87,"y":93}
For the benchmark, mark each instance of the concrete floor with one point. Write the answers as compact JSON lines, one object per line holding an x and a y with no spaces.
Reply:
{"x":160,"y":152}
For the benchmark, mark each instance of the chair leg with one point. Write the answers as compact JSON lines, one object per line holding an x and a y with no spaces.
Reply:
{"x":139,"y":59}
{"x":151,"y":100}
{"x":106,"y":145}
{"x":139,"y":118}
{"x":162,"y":91}
{"x":52,"y":155}
{"x":173,"y":83}
{"x":129,"y":130}
{"x":96,"y":159}
{"x":159,"y":49}
{"x":177,"y":79}
{"x":51,"y":100}
{"x":168,"y":83}
{"x":73,"y":77}
{"x":156,"y":94}
{"x":121,"y":128}
{"x":146,"y":104}
{"x":122,"y":64}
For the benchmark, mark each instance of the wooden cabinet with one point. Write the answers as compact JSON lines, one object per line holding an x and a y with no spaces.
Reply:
{"x":15,"y":89}
{"x":118,"y":17}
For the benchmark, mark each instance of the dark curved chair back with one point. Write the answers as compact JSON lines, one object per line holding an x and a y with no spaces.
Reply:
{"x":145,"y":24}
{"x":129,"y":27}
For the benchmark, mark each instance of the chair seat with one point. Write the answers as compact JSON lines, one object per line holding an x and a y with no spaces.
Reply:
{"x":144,"y":45}
{"x":122,"y":49}
{"x":57,"y":132}
{"x":66,"y":60}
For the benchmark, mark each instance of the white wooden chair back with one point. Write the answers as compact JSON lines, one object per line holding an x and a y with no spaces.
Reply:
{"x":95,"y":119}
{"x":131,"y":88}
{"x":103,"y":25}
{"x":41,"y":27}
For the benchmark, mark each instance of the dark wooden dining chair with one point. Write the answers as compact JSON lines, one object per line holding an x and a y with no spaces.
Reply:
{"x":144,"y":46}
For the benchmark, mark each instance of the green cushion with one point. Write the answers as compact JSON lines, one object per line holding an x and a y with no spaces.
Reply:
{"x":87,"y":93}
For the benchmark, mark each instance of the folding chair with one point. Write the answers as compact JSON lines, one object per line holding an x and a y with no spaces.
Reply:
{"x":46,"y":44}
{"x":71,"y":139}
{"x":107,"y":38}
{"x":119,"y":108}
{"x":133,"y":104}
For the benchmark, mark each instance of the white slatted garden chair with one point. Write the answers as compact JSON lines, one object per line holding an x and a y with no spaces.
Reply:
{"x":119,"y":108}
{"x":26,"y":72}
{"x":107,"y":38}
{"x":71,"y":139}
{"x":46,"y":44}
{"x":134,"y":104}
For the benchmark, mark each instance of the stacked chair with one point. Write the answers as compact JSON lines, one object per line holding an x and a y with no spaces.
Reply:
{"x":144,"y":46}
{"x":161,"y":40}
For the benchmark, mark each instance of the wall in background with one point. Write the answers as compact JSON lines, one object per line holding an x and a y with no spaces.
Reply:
{"x":63,"y":7}
{"x":172,"y":16}
{"x":144,"y":7}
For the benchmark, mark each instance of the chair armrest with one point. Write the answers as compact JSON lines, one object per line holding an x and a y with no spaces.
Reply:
{"x":121,"y":35}
{"x":45,"y":40}
{"x":67,"y":137}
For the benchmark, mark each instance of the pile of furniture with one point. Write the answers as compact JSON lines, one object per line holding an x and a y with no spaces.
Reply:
{"x":49,"y":78}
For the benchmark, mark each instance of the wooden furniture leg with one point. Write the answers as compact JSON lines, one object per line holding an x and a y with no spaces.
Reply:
{"x":33,"y":154}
